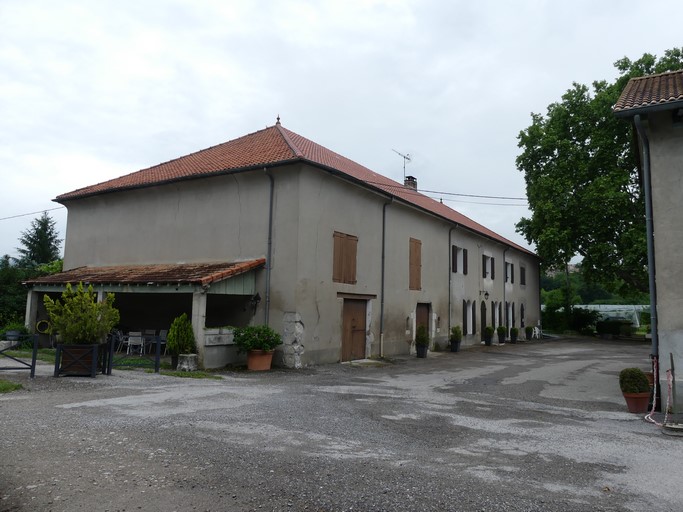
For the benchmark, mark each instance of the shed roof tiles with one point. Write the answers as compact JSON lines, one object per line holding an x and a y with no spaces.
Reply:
{"x":271,"y":147}
{"x":182,"y":273}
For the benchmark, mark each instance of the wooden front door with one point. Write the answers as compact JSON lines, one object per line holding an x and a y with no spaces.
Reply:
{"x":422,"y":316}
{"x":353,"y":329}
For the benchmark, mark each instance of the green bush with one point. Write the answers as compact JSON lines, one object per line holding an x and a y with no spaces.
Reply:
{"x":78,"y":318}
{"x":180,"y":338}
{"x":256,"y":337}
{"x":488,"y":332}
{"x":528,"y":332}
{"x":421,"y":336}
{"x":633,"y":380}
{"x":501,"y":330}
{"x":582,"y":319}
{"x":456,"y":333}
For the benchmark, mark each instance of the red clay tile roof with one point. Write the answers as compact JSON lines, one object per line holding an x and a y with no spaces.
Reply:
{"x":648,"y":92}
{"x":270,"y":147}
{"x":184,"y":273}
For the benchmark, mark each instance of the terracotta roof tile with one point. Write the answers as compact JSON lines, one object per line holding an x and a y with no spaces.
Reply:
{"x":270,"y":147}
{"x":650,"y":91}
{"x":182,"y":273}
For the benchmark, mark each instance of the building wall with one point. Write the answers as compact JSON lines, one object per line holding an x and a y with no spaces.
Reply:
{"x":666,"y":147}
{"x":226,"y":219}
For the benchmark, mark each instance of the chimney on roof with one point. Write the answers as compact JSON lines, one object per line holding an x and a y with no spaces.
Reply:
{"x":410,"y":182}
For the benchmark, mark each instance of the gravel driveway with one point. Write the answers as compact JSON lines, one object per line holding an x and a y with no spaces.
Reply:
{"x":526,"y":427}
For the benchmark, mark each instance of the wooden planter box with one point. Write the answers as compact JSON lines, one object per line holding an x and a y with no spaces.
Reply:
{"x":80,"y":360}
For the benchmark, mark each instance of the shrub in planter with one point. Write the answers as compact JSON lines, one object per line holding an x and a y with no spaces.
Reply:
{"x":79,"y":319}
{"x":636,"y":389}
{"x":488,"y":334}
{"x":502,"y":331}
{"x":455,"y":338}
{"x":514,"y":332}
{"x":528,"y":332}
{"x":13,"y":330}
{"x":258,"y":341}
{"x":180,"y":338}
{"x":421,"y":341}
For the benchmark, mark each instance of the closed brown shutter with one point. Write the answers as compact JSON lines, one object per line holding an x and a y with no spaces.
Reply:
{"x":493,"y":268}
{"x":350,"y":248}
{"x":454,"y":258}
{"x":464,"y":261}
{"x":415,"y":264}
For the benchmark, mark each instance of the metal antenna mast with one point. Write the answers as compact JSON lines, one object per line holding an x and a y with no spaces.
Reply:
{"x":406,"y":158}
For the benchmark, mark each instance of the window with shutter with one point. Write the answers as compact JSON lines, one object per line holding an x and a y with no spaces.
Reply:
{"x":415,"y":265}
{"x":464,"y":262}
{"x":344,"y":258}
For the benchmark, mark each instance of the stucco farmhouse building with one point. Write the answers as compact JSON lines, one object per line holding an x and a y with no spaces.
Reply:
{"x":654,"y":104}
{"x":273,"y":228}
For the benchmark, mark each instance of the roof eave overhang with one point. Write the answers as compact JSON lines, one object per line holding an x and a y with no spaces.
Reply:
{"x":222,"y":172}
{"x":649,"y":109}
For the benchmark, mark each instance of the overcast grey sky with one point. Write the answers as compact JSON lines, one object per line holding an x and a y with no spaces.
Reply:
{"x":92,"y":90}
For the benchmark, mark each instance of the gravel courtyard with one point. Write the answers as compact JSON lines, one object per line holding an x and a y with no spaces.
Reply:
{"x":529,"y":427}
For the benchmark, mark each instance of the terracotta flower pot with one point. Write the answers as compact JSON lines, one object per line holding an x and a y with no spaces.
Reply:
{"x":259,"y":360}
{"x":637,"y":402}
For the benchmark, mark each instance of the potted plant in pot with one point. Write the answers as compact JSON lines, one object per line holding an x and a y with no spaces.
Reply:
{"x":82,"y":325}
{"x":502,"y":331}
{"x":421,"y":341}
{"x":455,"y":338}
{"x":259,"y":342}
{"x":488,"y":335}
{"x":528,"y":332}
{"x":635,"y":388}
{"x":514,"y":332}
{"x":180,"y":343}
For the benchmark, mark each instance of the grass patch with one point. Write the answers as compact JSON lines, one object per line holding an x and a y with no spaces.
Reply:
{"x":44,"y":354}
{"x":7,"y":386}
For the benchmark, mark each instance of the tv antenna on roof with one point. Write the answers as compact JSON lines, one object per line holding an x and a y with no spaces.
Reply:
{"x":406,"y":158}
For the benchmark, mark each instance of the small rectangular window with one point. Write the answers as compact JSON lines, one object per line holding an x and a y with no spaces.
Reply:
{"x":522,"y":276}
{"x":454,"y":258}
{"x":464,"y":262}
{"x":344,"y":260}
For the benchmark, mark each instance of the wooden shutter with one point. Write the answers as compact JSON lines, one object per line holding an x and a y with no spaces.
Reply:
{"x":338,"y":258}
{"x":483,"y":265}
{"x":349,"y":254}
{"x":512,"y":273}
{"x":454,"y":258}
{"x":522,"y":275}
{"x":493,"y":268}
{"x":415,"y":264}
{"x":464,"y":261}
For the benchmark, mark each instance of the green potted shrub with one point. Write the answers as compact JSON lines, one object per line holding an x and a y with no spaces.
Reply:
{"x":421,"y":341}
{"x":502,"y":331}
{"x":180,"y":343}
{"x":81,"y":325}
{"x":13,"y":331}
{"x":259,"y":342}
{"x":528,"y":332}
{"x":514,"y":333}
{"x":636,"y":389}
{"x":455,"y":338}
{"x":488,"y":335}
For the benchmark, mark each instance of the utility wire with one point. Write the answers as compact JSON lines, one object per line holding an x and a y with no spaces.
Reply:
{"x":398,"y":186}
{"x":32,"y":213}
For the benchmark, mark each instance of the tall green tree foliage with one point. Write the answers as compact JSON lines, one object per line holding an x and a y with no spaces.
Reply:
{"x":40,"y":243}
{"x":581,"y":169}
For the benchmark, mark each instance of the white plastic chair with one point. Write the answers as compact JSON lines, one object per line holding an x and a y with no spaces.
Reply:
{"x":134,"y":341}
{"x":537,"y":333}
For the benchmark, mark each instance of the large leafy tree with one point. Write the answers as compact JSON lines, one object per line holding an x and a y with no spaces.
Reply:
{"x":40,"y":243}
{"x":581,"y":169}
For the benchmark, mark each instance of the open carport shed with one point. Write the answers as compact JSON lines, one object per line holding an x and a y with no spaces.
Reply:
{"x":151,"y":296}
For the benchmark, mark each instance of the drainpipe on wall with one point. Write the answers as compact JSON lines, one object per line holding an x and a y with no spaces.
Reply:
{"x":269,"y":254}
{"x":381,"y":307}
{"x":650,"y":235}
